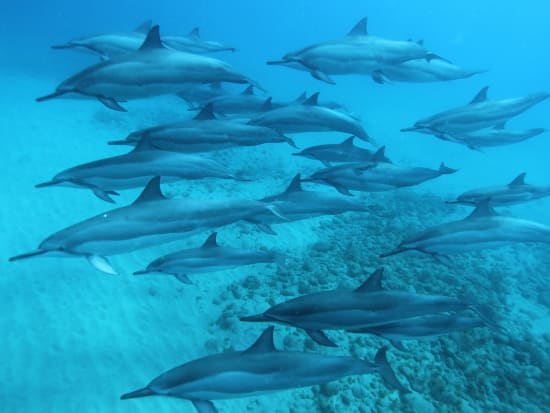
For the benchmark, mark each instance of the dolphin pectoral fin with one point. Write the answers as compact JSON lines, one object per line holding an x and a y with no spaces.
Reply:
{"x":387,"y":372}
{"x":111,"y":103}
{"x":443,"y":259}
{"x":28,"y":255}
{"x":398,"y":345}
{"x":183,"y":278}
{"x":379,"y":77}
{"x":323,"y":77}
{"x":204,"y":406}
{"x":104,"y":195}
{"x":291,"y":142}
{"x":50,"y":96}
{"x":320,"y":338}
{"x":342,"y":189}
{"x":265,"y":228}
{"x":101,"y":263}
{"x":275,"y":211}
{"x":433,"y":56}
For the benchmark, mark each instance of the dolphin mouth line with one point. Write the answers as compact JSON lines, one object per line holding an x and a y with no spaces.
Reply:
{"x":26,"y":255}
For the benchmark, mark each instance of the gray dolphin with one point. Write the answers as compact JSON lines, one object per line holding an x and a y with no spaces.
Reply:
{"x":310,"y":117}
{"x":367,"y":306}
{"x":357,"y":53}
{"x":134,"y":169}
{"x":296,"y":204}
{"x":368,"y":176}
{"x":205,"y":133}
{"x":209,"y":257}
{"x":246,"y":102}
{"x":483,"y":228}
{"x":257,"y":370}
{"x":151,"y":220}
{"x":497,"y":136}
{"x":150,"y":71}
{"x":193,"y":43}
{"x":480,"y":113}
{"x":345,"y":151}
{"x":516,"y":192}
{"x":197,"y":94}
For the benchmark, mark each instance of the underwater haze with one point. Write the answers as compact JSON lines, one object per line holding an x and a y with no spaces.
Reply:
{"x":77,"y":339}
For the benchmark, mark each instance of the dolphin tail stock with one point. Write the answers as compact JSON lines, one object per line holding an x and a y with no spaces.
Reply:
{"x":28,"y":255}
{"x":386,"y":371}
{"x":138,"y":393}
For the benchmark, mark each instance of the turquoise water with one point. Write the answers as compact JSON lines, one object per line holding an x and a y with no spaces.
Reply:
{"x":76,"y":339}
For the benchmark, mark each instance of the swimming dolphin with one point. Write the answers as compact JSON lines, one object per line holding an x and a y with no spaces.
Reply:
{"x":134,"y":169}
{"x":483,"y":228}
{"x":246,"y":102}
{"x":151,"y":220}
{"x":368,"y":176}
{"x":497,"y":136}
{"x":367,"y":306}
{"x":296,"y":204}
{"x":193,"y":43}
{"x":209,"y":257}
{"x":205,"y":133}
{"x":196,"y":94}
{"x":257,"y":370}
{"x":357,"y":53}
{"x":480,"y":113}
{"x":310,"y":117}
{"x":345,"y":151}
{"x":515,"y":192}
{"x":150,"y":71}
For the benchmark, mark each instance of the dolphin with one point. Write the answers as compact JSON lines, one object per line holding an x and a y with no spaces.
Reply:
{"x":110,"y":45}
{"x":151,"y":220}
{"x":516,"y":192}
{"x":310,"y":117}
{"x":205,"y":133}
{"x":356,"y":53}
{"x":193,"y":43}
{"x":105,"y":176}
{"x":345,"y":151}
{"x":246,"y":102}
{"x":296,"y":204}
{"x":483,"y":228}
{"x":197,"y":94}
{"x":480,"y":113}
{"x":368,"y":176}
{"x":367,"y":306}
{"x":209,"y":257}
{"x":497,"y":136}
{"x":257,"y":370}
{"x":152,"y":70}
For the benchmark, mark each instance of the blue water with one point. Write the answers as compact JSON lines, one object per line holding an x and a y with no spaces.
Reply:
{"x":75,"y":339}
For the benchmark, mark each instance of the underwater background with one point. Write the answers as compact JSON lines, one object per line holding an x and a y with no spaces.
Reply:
{"x":75,"y":340}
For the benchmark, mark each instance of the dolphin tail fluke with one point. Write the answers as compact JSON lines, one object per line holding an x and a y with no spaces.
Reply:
{"x":50,"y":96}
{"x":111,"y":103}
{"x":138,"y":393}
{"x":28,"y":255}
{"x":258,"y":318}
{"x":386,"y":371}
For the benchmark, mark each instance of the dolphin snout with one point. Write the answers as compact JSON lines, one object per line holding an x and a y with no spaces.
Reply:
{"x":138,"y":393}
{"x":255,"y":318}
{"x":410,"y":129}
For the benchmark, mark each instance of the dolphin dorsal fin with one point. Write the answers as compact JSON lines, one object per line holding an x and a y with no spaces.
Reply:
{"x":312,"y":100}
{"x":264,"y":344}
{"x":348,"y":141}
{"x":144,"y":27}
{"x":360,"y":29}
{"x":380,"y":155}
{"x":420,"y":42}
{"x":295,"y":185}
{"x":481,"y":96}
{"x":518,"y":180}
{"x":195,"y":32}
{"x":301,"y":98}
{"x":211,"y":241}
{"x":267,"y":104}
{"x":483,"y":209}
{"x":248,"y":91}
{"x":373,"y":283}
{"x":152,"y":41}
{"x":206,"y":113}
{"x":151,"y":192}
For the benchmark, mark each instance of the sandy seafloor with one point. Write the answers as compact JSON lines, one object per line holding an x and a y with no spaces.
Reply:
{"x":75,"y":339}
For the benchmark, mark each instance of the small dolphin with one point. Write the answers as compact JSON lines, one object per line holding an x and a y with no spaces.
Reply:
{"x":152,"y":70}
{"x":205,"y":133}
{"x":244,"y":103}
{"x":197,"y":94}
{"x":367,"y":306}
{"x":257,"y":370}
{"x":374,"y":177}
{"x":310,"y":117}
{"x":480,"y":113}
{"x":209,"y":257}
{"x":345,"y":151}
{"x":497,"y":136}
{"x":105,"y":176}
{"x":357,"y":53}
{"x":296,"y":204}
{"x":151,"y":220}
{"x":193,"y":43}
{"x":515,"y":192}
{"x":483,"y":228}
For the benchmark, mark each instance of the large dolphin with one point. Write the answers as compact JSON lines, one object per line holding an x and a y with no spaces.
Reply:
{"x":497,"y":136}
{"x":371,"y":177}
{"x":150,"y":71}
{"x":480,"y":113}
{"x":134,"y":169}
{"x":296,"y":204}
{"x":151,"y":220}
{"x":209,"y":257}
{"x":205,"y":133}
{"x":193,"y":43}
{"x":310,"y":117}
{"x":483,"y":228}
{"x":357,"y":53}
{"x":257,"y":370}
{"x":345,"y":151}
{"x":516,"y":192}
{"x":369,"y":305}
